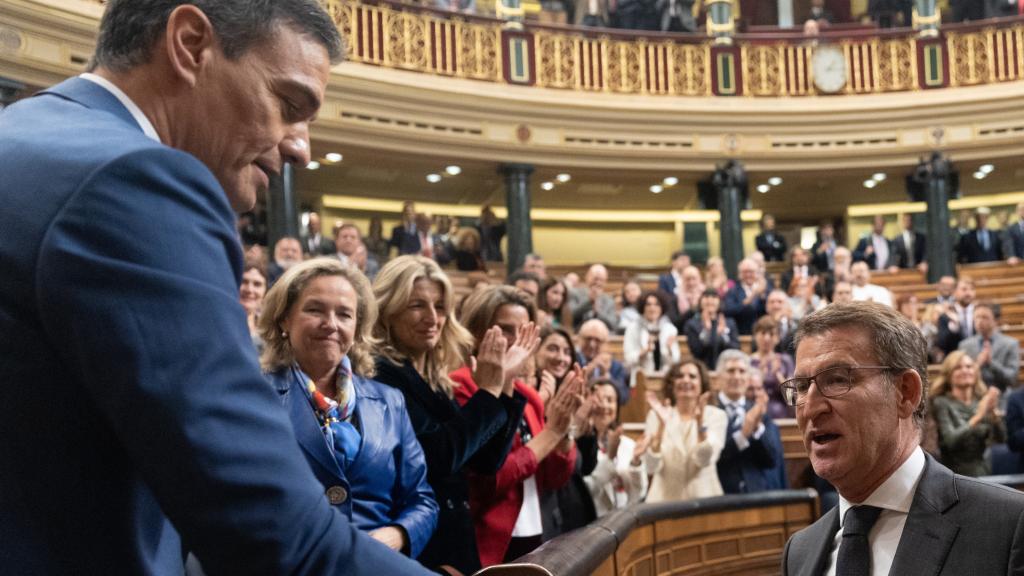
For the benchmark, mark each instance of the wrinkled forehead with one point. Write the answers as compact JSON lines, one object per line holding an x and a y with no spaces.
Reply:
{"x":846,"y":346}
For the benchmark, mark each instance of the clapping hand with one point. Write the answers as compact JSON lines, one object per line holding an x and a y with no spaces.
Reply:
{"x":547,"y":386}
{"x":566,"y":402}
{"x":488,"y":366}
{"x":523,"y":347}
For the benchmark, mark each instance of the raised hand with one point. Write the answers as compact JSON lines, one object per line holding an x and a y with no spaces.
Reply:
{"x":566,"y":402}
{"x":488,"y":366}
{"x":547,"y":386}
{"x":638,"y":450}
{"x":523,"y":347}
{"x":698,"y":412}
{"x":660,"y":410}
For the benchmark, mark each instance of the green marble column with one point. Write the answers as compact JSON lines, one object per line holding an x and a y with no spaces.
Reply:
{"x":935,"y":172}
{"x":282,"y":207}
{"x":729,"y":181}
{"x":518,"y":227}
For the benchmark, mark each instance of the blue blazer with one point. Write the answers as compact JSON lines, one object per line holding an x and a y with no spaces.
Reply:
{"x":386,"y":484}
{"x":134,"y":419}
{"x":745,"y":315}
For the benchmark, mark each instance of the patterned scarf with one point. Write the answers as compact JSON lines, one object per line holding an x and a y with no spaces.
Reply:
{"x":336,"y":419}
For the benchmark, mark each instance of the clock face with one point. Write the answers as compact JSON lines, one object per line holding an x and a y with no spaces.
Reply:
{"x":829,"y":66}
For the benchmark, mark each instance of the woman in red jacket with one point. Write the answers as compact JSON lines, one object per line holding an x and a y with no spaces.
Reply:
{"x":506,"y":505}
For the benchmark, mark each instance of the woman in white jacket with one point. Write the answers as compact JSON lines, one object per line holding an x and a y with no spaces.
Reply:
{"x":651,"y":342}
{"x":687,"y":437}
{"x":620,"y":477}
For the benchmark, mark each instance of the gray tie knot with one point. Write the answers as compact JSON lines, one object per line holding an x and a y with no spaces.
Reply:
{"x":859,"y":520}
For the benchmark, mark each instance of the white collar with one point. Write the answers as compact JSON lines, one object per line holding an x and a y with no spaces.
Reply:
{"x":897,"y":492}
{"x":135,"y":111}
{"x":726,"y":401}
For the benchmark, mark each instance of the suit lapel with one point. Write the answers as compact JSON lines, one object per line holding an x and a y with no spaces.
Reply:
{"x":308,"y":432}
{"x":928,"y":535}
{"x":819,"y":545}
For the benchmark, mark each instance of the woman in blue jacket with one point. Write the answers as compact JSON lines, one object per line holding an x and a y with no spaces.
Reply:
{"x":355,"y":432}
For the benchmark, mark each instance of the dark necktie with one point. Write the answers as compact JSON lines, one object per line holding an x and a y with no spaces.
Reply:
{"x":854,"y":551}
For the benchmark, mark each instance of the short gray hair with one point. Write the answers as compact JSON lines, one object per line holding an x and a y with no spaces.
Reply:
{"x":730,"y":355}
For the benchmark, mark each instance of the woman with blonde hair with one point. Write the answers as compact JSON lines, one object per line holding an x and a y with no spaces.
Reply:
{"x":316,"y":323}
{"x":421,"y":342}
{"x":715,"y":276}
{"x":965,"y":412}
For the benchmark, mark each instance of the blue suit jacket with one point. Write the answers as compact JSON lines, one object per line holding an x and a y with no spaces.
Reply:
{"x":386,"y":484}
{"x":617,"y":373}
{"x":132,"y":407}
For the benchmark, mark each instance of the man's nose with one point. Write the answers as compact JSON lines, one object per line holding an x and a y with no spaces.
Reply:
{"x":294,"y":148}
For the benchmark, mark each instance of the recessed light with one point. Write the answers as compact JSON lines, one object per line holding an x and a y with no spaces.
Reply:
{"x":453,"y":170}
{"x":657,"y":188}
{"x":979,"y":175}
{"x":313,"y":165}
{"x":433,"y":178}
{"x":763,"y":188}
{"x":670,"y":181}
{"x":870,"y":183}
{"x":548,"y":185}
{"x":986,"y":168}
{"x":878,"y":176}
{"x":775,"y":180}
{"x":563,"y":177}
{"x":333,"y":157}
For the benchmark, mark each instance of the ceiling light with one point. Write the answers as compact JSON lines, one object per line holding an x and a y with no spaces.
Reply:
{"x":670,"y":181}
{"x":548,"y":185}
{"x":313,"y":165}
{"x":563,"y":177}
{"x":763,"y":188}
{"x":870,"y":183}
{"x":453,"y":170}
{"x":657,"y":188}
{"x":986,"y":168}
{"x":333,"y":157}
{"x":878,"y":176}
{"x":433,"y":178}
{"x":979,"y":175}
{"x":775,"y":180}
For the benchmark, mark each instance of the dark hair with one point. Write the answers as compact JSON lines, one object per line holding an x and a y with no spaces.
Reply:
{"x":765,"y":324}
{"x":522,"y":275}
{"x":674,"y":372}
{"x":641,"y":303}
{"x":480,"y":307}
{"x":564,"y":312}
{"x":679,"y":254}
{"x":130,"y":28}
{"x":255,"y":264}
{"x":548,"y":331}
{"x":606,"y":381}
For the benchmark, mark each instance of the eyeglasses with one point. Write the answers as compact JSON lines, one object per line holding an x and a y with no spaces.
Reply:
{"x":832,"y":383}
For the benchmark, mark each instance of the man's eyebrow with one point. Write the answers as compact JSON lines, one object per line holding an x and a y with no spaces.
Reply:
{"x":293,"y":87}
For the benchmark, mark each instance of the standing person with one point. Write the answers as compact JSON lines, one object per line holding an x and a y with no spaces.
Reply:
{"x":686,"y":437}
{"x":980,"y":244}
{"x":171,"y":434}
{"x":405,"y":237}
{"x":506,"y":505}
{"x":910,"y":247}
{"x":315,"y":243}
{"x":376,"y":244}
{"x":824,"y":248}
{"x":965,"y":411}
{"x":875,"y":248}
{"x":620,"y":477}
{"x":650,"y":343}
{"x":860,"y":402}
{"x":492,"y":230}
{"x":1013,"y":238}
{"x":421,"y":342}
{"x":354,"y":431}
{"x":709,"y":332}
{"x":997,"y":355}
{"x":769,"y":242}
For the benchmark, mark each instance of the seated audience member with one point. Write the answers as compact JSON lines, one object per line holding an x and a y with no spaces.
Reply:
{"x":874,"y":248}
{"x":534,"y":264}
{"x":650,"y":343}
{"x":747,"y":458}
{"x":629,"y":311}
{"x":347,"y":242}
{"x":596,"y":361}
{"x":404,"y":237}
{"x":824,"y":248}
{"x":778,"y":309}
{"x":620,"y":477}
{"x":997,"y":356}
{"x":842,"y":293}
{"x":287,"y":253}
{"x":365,"y":262}
{"x":376,"y":244}
{"x":861,"y":426}
{"x":251,"y":292}
{"x":467,"y":251}
{"x":945,"y":288}
{"x":842,"y":260}
{"x":745,"y":303}
{"x":980,"y":244}
{"x":777,"y":477}
{"x":315,"y":243}
{"x":864,"y":290}
{"x":775,"y":367}
{"x":709,"y":332}
{"x":687,"y":296}
{"x":910,"y":247}
{"x":805,"y":298}
{"x":420,"y":343}
{"x":553,"y":305}
{"x":571,"y":280}
{"x":769,"y":242}
{"x":553,"y":361}
{"x":1015,"y":425}
{"x":965,"y":411}
{"x":687,"y":436}
{"x":525,"y":281}
{"x":1013,"y":238}
{"x":590,"y":301}
{"x":926,"y":321}
{"x":492,"y":230}
{"x":799,"y":268}
{"x":957,"y":323}
{"x":716,"y":278}
{"x":430,"y":243}
{"x":506,"y":505}
{"x":355,"y":432}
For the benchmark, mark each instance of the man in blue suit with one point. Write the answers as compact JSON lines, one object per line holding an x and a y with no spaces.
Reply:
{"x":135,"y":421}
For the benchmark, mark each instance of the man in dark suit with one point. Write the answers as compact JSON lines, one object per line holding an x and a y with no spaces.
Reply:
{"x":669,"y":281}
{"x":769,"y":242}
{"x":405,"y":237}
{"x":875,"y":248}
{"x":997,"y":355}
{"x":957,"y":323}
{"x":909,"y":246}
{"x":748,"y":459}
{"x":136,"y":421}
{"x":824,"y":248}
{"x":980,"y":244}
{"x":944,"y":290}
{"x":315,"y":243}
{"x":860,"y":401}
{"x":1013,"y":238}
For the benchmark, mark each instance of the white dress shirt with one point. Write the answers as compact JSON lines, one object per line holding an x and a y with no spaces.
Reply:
{"x":133,"y":109}
{"x":872,"y":293}
{"x":894,"y":497}
{"x":881,"y":245}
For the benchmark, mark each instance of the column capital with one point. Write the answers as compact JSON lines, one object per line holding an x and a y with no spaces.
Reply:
{"x":516,"y":168}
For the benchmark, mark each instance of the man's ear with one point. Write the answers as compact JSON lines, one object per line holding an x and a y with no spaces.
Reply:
{"x":189,"y":40}
{"x":909,"y":388}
